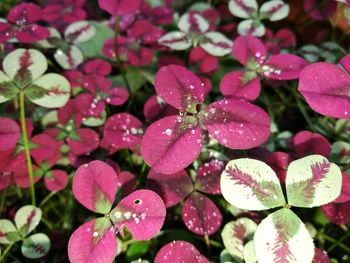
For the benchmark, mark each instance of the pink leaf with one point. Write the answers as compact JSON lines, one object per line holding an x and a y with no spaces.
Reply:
{"x":93,"y":242}
{"x":179,"y":251}
{"x":240,"y":84}
{"x":326,"y":89}
{"x":118,"y":96}
{"x":320,"y":11}
{"x":177,"y":145}
{"x":237,"y":124}
{"x":25,"y":13}
{"x":337,"y":213}
{"x":88,"y":142}
{"x":95,"y":185}
{"x":56,"y":180}
{"x":200,"y":215}
{"x":248,"y":48}
{"x":9,"y":134}
{"x":120,"y":7}
{"x":283,"y":67}
{"x":345,"y":189}
{"x":306,"y":143}
{"x":179,"y":87}
{"x":171,"y":187}
{"x":320,"y":256}
{"x":142,"y":212}
{"x":46,"y":149}
{"x":279,"y":162}
{"x":97,"y":66}
{"x":155,"y":108}
{"x":208,"y":177}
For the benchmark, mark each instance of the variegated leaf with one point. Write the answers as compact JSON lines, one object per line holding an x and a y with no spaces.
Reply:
{"x":235,"y":233}
{"x":312,"y":181}
{"x":251,"y":184}
{"x":251,"y":27}
{"x":176,"y":40}
{"x":193,"y":23}
{"x":249,"y":252}
{"x":27,"y":218}
{"x":274,"y":10}
{"x":340,"y":152}
{"x":79,"y":32}
{"x":24,"y":66}
{"x":243,"y":8}
{"x":8,"y":89}
{"x":36,"y":246}
{"x":216,"y":44}
{"x":51,"y":42}
{"x":50,"y":91}
{"x":8,"y":232}
{"x":70,"y":59}
{"x":283,"y":238}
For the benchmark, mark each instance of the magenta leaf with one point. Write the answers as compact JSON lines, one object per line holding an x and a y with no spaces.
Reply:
{"x":208,"y":177}
{"x":155,"y":108}
{"x":56,"y":180}
{"x":248,"y":49}
{"x":179,"y":87}
{"x":9,"y":134}
{"x":171,"y":187}
{"x":320,"y":256}
{"x":142,"y":212}
{"x":93,"y":242}
{"x":179,"y":251}
{"x":279,"y":162}
{"x":88,"y":141}
{"x":240,"y":84}
{"x":46,"y":149}
{"x":236,"y":124}
{"x":326,"y":89}
{"x":120,"y":7}
{"x":306,"y":143}
{"x":320,"y":11}
{"x":95,"y":185}
{"x":337,"y":213}
{"x":177,"y":145}
{"x":200,"y":215}
{"x":345,"y":189}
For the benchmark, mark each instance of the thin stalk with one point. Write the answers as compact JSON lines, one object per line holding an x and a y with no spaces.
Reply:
{"x":116,"y":47}
{"x":7,"y":250}
{"x":3,"y":198}
{"x":26,"y":146}
{"x":339,"y":244}
{"x":207,"y":242}
{"x":47,"y":198}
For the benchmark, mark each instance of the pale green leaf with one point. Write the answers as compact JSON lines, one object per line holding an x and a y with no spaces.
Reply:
{"x":27,"y":218}
{"x":36,"y":246}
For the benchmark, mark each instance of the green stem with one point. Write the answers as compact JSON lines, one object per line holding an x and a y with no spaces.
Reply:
{"x":26,"y":146}
{"x":47,"y":198}
{"x":341,"y":245}
{"x":116,"y":47}
{"x":3,"y":198}
{"x":7,"y":250}
{"x":339,"y":241}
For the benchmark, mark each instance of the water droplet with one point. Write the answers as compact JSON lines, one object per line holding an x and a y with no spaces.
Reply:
{"x":117,"y":214}
{"x":191,"y":87}
{"x":95,"y":234}
{"x":127,"y":215}
{"x":168,"y":132}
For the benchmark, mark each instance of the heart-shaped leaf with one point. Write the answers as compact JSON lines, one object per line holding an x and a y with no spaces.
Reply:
{"x":120,"y":7}
{"x":248,"y":49}
{"x":306,"y":142}
{"x":36,"y":246}
{"x":95,"y":185}
{"x":235,"y":234}
{"x":274,"y":10}
{"x":178,"y":144}
{"x":79,"y":32}
{"x":251,"y":27}
{"x":208,"y":177}
{"x":27,"y":218}
{"x":251,"y":184}
{"x":200,"y":215}
{"x":179,"y":87}
{"x":176,"y":40}
{"x":193,"y":23}
{"x":282,"y":237}
{"x":50,"y":91}
{"x":24,"y":66}
{"x":8,"y":232}
{"x":216,"y":44}
{"x":142,"y":212}
{"x":171,"y":187}
{"x":87,"y":141}
{"x":9,"y":134}
{"x":8,"y":89}
{"x":179,"y":251}
{"x":70,"y":58}
{"x":312,"y":181}
{"x":249,"y":254}
{"x":236,"y":124}
{"x":326,"y":89}
{"x":56,"y":180}
{"x":93,"y":242}
{"x":243,"y":8}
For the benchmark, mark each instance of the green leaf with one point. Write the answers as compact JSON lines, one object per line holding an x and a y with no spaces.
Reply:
{"x":8,"y":232}
{"x":340,"y":152}
{"x":8,"y":89}
{"x":251,"y":184}
{"x":312,"y":181}
{"x":36,"y":246}
{"x":282,"y":237}
{"x":51,"y":91}
{"x":92,"y":48}
{"x":27,"y":218}
{"x":137,"y":250}
{"x":135,"y":78}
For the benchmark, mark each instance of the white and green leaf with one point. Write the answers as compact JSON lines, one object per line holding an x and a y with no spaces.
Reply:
{"x":24,"y":66}
{"x":282,"y":238}
{"x":312,"y":181}
{"x":176,"y":40}
{"x":274,"y":10}
{"x":235,"y":234}
{"x":193,"y":23}
{"x":27,"y":218}
{"x":251,"y":184}
{"x":340,"y":152}
{"x":70,"y":58}
{"x":249,"y":253}
{"x":8,"y":89}
{"x":36,"y":246}
{"x":79,"y":32}
{"x":216,"y":44}
{"x":251,"y":27}
{"x":243,"y":8}
{"x":8,"y":232}
{"x":50,"y":91}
